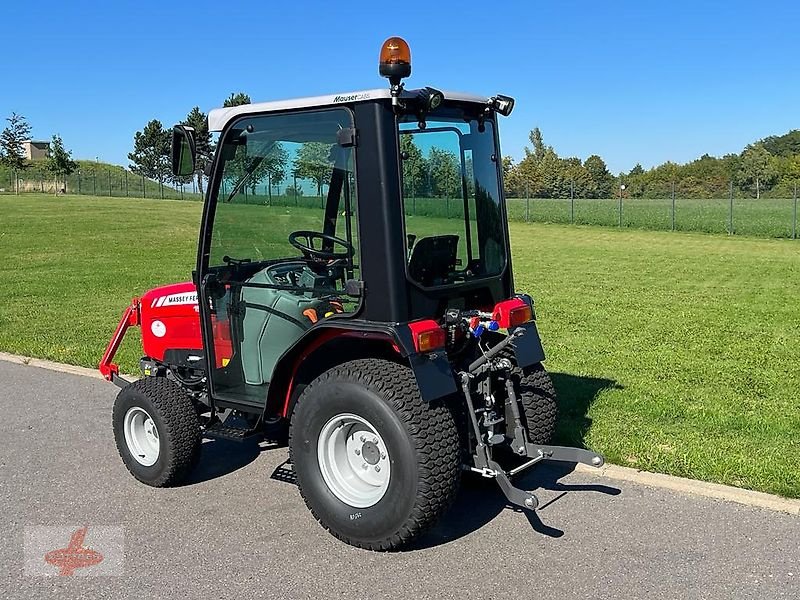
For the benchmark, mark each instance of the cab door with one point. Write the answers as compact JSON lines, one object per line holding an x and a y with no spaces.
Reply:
{"x":275,"y":174}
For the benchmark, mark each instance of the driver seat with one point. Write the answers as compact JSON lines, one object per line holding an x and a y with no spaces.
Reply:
{"x":433,"y":259}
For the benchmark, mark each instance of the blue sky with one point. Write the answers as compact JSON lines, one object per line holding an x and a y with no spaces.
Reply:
{"x":632,"y":81}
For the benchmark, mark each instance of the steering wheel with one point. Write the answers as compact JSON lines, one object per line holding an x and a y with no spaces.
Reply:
{"x":297,"y":239}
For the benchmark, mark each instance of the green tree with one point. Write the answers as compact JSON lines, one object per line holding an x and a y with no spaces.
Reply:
{"x":758,"y":167}
{"x":508,"y":166}
{"x":151,"y":152}
{"x":414,"y":168}
{"x":528,"y":177}
{"x":602,"y":182}
{"x":786,"y":145}
{"x":60,"y":162}
{"x":539,"y":147}
{"x":277,"y":164}
{"x":445,"y":174}
{"x":236,"y":99}
{"x":12,"y":153}
{"x":313,"y":162}
{"x":202,"y":139}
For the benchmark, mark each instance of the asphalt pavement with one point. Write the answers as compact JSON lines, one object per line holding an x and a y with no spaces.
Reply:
{"x":238,"y":529}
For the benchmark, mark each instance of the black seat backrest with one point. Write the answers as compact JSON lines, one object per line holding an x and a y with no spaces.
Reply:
{"x":433,"y":259}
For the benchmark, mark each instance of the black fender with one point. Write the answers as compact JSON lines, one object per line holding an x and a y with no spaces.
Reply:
{"x":528,"y":347}
{"x":432,"y":370}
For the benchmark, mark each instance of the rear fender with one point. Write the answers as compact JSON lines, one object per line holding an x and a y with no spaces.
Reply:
{"x":327,"y":345}
{"x":528,"y":348}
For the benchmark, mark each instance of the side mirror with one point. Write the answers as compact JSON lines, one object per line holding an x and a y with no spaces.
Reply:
{"x":184,"y":152}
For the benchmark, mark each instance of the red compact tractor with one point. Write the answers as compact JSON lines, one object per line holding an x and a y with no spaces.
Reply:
{"x":367,"y":311}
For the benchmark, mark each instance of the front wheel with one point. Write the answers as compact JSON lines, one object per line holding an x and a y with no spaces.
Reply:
{"x":375,"y":464}
{"x":157,"y":431}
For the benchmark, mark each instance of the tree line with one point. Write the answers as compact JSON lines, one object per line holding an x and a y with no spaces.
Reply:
{"x":150,"y":156}
{"x":770,"y":166}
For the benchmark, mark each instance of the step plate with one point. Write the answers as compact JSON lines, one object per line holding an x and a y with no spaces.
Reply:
{"x":235,"y":434}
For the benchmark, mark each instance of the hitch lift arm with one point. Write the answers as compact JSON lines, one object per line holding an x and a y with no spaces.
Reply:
{"x":109,"y":370}
{"x":536,"y":453}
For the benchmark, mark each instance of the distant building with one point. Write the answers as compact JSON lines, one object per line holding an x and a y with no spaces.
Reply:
{"x":35,"y":150}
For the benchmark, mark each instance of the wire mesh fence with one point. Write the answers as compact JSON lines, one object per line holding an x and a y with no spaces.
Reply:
{"x":740,"y":213}
{"x":102,"y":181}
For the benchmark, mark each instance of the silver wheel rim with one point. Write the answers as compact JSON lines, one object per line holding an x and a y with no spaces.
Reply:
{"x":353,"y":460}
{"x":141,"y":436}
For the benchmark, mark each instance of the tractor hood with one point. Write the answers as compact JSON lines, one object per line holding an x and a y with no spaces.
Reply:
{"x":170,"y":319}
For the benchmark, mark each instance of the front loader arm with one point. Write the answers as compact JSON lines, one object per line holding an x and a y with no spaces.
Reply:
{"x":130,"y":318}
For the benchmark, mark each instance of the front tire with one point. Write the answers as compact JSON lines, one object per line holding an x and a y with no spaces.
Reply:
{"x":375,"y":464}
{"x":157,"y":431}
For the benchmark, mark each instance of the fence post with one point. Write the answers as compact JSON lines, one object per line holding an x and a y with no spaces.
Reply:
{"x":109,"y":184}
{"x":572,"y":202}
{"x":181,"y":191}
{"x":794,"y":215}
{"x":527,"y":203}
{"x":79,"y":183}
{"x":730,"y":211}
{"x":161,"y":187}
{"x":447,"y":207}
{"x":622,"y":187}
{"x":673,"y":206}
{"x":94,"y":182}
{"x":144,"y":190}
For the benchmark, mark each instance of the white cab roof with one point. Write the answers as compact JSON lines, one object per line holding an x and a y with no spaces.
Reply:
{"x":219,"y":117}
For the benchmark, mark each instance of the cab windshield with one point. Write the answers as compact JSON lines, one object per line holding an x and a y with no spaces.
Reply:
{"x":453,"y":217}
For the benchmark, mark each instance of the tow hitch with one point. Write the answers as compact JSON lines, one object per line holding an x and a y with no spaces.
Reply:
{"x":483,"y":462}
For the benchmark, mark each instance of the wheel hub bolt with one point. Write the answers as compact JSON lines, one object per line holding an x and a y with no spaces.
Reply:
{"x":377,"y":468}
{"x":363,"y":439}
{"x":358,"y":451}
{"x":364,"y":466}
{"x":383,"y":455}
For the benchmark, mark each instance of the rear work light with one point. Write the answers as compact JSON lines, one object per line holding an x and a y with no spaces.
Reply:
{"x":511,"y":313}
{"x":427,"y":335}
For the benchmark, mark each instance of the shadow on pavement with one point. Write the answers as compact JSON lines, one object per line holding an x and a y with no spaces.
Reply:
{"x":220,"y":457}
{"x":481,"y":500}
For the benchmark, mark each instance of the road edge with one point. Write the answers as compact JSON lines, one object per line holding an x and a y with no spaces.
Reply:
{"x":50,"y":365}
{"x":696,"y":487}
{"x":658,"y":480}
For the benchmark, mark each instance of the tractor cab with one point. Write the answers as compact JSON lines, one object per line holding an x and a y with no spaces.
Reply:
{"x":354,"y":211}
{"x":353,"y":296}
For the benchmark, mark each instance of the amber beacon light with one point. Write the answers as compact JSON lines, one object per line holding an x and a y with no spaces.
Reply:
{"x":395,"y":60}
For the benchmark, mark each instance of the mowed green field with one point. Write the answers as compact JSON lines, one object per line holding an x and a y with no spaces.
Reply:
{"x":675,"y":353}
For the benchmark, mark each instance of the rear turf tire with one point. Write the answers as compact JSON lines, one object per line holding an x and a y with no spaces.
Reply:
{"x":538,"y":398}
{"x":176,"y":439}
{"x":419,"y":438}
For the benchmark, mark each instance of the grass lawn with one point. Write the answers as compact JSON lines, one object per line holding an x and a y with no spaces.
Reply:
{"x":675,"y":353}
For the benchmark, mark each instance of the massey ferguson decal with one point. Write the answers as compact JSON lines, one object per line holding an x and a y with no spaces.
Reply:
{"x":174,"y":300}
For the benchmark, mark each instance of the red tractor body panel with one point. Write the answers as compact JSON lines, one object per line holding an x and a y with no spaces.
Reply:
{"x":170,"y":319}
